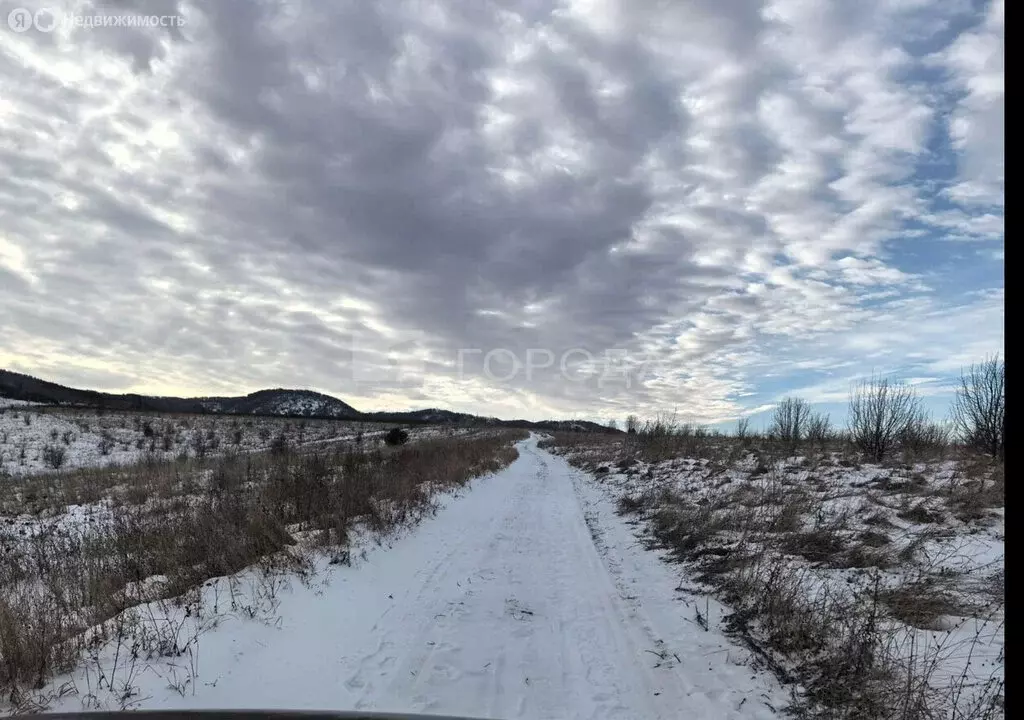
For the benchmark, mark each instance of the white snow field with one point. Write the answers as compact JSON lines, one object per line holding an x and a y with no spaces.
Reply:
{"x":525,"y":596}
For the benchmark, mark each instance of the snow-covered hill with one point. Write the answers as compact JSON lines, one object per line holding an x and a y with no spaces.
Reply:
{"x":293,"y":403}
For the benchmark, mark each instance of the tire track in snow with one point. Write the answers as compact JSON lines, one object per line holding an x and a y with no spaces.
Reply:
{"x":546,"y":580}
{"x":499,"y":606}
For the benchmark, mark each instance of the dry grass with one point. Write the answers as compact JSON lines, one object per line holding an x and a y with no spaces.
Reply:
{"x":921,"y":603}
{"x":811,"y":562}
{"x":157,"y":531}
{"x":978,"y":488}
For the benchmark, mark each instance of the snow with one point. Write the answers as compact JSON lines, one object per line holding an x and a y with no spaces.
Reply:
{"x":12,"y":403}
{"x":525,"y":596}
{"x":959,"y":555}
{"x":85,"y":439}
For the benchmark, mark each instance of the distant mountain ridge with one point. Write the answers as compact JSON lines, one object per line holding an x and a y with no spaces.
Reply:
{"x":279,"y":402}
{"x":291,"y":403}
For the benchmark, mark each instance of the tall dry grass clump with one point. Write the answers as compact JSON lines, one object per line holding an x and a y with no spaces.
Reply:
{"x":157,"y":531}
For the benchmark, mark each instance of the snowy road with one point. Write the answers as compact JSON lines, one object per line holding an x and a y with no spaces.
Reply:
{"x":501,"y":606}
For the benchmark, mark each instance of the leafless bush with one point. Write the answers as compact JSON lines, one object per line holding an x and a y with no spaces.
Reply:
{"x":789,"y":421}
{"x":396,"y":436}
{"x":922,"y":438}
{"x":32,"y":640}
{"x":199,"y":444}
{"x":106,"y":443}
{"x":53,"y":456}
{"x":880,"y":411}
{"x":743,"y":429}
{"x":819,"y":430}
{"x":979,"y":410}
{"x":280,"y":445}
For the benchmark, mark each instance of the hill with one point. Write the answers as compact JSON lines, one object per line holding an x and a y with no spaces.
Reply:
{"x":280,"y":402}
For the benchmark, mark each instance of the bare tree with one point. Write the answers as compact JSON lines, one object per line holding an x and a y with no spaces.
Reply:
{"x":664,"y":424}
{"x":743,"y":428}
{"x":979,"y":410}
{"x":612,"y":425}
{"x":789,"y":421}
{"x":880,"y":412}
{"x":632,"y":424}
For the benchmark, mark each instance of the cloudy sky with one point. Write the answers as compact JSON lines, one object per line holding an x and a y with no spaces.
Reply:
{"x":525,"y":208}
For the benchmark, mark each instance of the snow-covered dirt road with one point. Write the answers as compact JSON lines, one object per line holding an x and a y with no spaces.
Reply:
{"x":524,"y":597}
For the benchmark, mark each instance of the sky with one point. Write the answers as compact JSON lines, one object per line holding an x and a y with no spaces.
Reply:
{"x":518,"y":208}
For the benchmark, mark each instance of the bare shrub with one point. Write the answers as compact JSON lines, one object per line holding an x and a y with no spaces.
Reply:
{"x":979,"y":410}
{"x":32,"y":635}
{"x":880,"y":411}
{"x":632,"y":424}
{"x":280,"y":444}
{"x":106,"y":443}
{"x":922,"y":438}
{"x":743,"y":429}
{"x":819,"y":430}
{"x":396,"y":436}
{"x":200,"y":444}
{"x":789,"y":421}
{"x":54,"y":456}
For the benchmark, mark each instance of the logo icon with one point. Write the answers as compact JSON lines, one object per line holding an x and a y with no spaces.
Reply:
{"x":22,"y":20}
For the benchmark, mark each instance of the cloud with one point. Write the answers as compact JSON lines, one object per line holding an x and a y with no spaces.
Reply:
{"x":974,"y":61}
{"x":293,"y":193}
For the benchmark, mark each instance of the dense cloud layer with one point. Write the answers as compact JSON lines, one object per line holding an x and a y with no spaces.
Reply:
{"x":728,"y":199}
